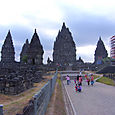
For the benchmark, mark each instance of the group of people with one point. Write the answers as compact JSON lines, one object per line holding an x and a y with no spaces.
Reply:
{"x":89,"y":80}
{"x":78,"y":81}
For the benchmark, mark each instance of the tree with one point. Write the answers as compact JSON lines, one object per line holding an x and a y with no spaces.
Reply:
{"x":106,"y":60}
{"x":24,"y":59}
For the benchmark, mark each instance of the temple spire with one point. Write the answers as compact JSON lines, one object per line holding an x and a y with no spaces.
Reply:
{"x":100,"y":38}
{"x":27,"y":41}
{"x":9,"y":34}
{"x":35,"y":51}
{"x":8,"y":37}
{"x":24,"y":51}
{"x":100,"y":52}
{"x":7,"y":53}
{"x":63,"y":25}
{"x":35,"y":30}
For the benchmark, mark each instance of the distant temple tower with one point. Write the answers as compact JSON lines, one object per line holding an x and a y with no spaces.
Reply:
{"x":24,"y":51}
{"x":100,"y":52}
{"x":35,"y":51}
{"x":64,"y":48}
{"x":7,"y":52}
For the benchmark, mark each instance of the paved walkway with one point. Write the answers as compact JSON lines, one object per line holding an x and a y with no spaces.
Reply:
{"x":93,"y":100}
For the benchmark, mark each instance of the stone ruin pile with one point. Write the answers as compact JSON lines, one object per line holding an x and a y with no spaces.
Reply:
{"x":19,"y":81}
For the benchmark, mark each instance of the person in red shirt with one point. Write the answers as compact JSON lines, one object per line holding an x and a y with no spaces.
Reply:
{"x":76,"y":87}
{"x":80,"y":80}
{"x":85,"y":76}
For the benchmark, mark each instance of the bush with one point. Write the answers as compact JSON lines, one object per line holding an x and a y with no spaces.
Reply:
{"x":24,"y":59}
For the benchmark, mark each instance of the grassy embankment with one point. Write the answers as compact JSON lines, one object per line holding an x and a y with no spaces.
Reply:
{"x":56,"y":105}
{"x":107,"y":81}
{"x":15,"y":103}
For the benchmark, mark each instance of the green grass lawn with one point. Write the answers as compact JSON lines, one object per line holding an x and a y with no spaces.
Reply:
{"x":96,"y":76}
{"x":107,"y":81}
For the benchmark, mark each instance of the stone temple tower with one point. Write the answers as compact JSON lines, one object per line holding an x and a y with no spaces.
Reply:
{"x":100,"y":52}
{"x":35,"y":51}
{"x":64,"y":51}
{"x":24,"y":51}
{"x":7,"y":52}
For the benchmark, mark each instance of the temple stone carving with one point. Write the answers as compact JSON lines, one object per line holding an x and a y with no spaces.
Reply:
{"x":24,"y":51}
{"x":100,"y":52}
{"x":7,"y":52}
{"x":35,"y":51}
{"x":64,"y":51}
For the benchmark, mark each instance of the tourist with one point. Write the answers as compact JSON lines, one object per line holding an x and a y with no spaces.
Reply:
{"x":85,"y":76}
{"x":88,"y":80}
{"x":68,"y":79}
{"x":76,"y":88}
{"x":92,"y":80}
{"x":79,"y":88}
{"x":75,"y":80}
{"x":80,"y":80}
{"x":80,"y":73}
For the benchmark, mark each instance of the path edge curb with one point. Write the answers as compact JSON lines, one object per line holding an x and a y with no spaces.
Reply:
{"x":68,"y":103}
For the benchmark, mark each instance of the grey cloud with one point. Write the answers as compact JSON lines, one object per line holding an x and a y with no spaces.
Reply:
{"x":21,"y":33}
{"x":86,"y":28}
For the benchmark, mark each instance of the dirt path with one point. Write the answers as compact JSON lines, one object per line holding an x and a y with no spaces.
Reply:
{"x":50,"y":110}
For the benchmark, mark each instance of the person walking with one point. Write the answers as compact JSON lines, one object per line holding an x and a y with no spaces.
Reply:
{"x":80,"y":80}
{"x":76,"y":87}
{"x":92,"y":80}
{"x":75,"y":80}
{"x":88,"y":80}
{"x":68,"y":79}
{"x":85,"y":76}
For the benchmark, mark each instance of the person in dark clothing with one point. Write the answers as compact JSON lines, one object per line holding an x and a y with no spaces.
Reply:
{"x":88,"y":81}
{"x":77,"y":77}
{"x":79,"y":88}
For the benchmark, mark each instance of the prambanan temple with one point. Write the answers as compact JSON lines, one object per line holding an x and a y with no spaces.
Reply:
{"x":7,"y":52}
{"x":100,"y":52}
{"x":33,"y":51}
{"x":64,"y":47}
{"x":16,"y":77}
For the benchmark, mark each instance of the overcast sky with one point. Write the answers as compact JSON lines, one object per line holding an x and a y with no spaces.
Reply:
{"x":86,"y":19}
